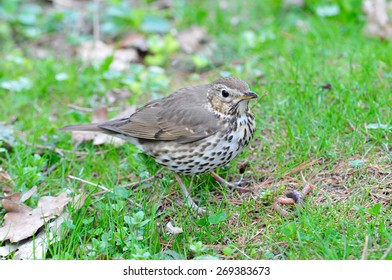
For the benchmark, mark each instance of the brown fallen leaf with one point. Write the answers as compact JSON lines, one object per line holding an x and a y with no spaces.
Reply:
{"x":25,"y":222}
{"x":7,"y":249}
{"x":98,"y":51}
{"x":28,"y":194}
{"x":35,"y":248}
{"x":122,"y":59}
{"x":172,"y":229}
{"x":192,"y":39}
{"x":134,"y":40}
{"x":14,"y":203}
{"x":378,"y":22}
{"x":6,"y":182}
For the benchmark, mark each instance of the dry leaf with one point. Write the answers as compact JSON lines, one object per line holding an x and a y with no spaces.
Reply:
{"x":125,"y":113}
{"x":191,"y":39}
{"x":23,"y":224}
{"x":378,"y":23}
{"x":98,"y":51}
{"x":136,"y":41}
{"x":94,"y":51}
{"x":172,"y":229}
{"x":13,"y":203}
{"x":7,"y":249}
{"x":6,"y":182}
{"x":122,"y":59}
{"x":35,"y":248}
{"x":28,"y":194}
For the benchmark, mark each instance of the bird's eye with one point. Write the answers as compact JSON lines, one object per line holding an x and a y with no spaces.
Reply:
{"x":225,"y":93}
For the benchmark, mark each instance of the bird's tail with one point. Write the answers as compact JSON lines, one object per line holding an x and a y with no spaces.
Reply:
{"x":93,"y":127}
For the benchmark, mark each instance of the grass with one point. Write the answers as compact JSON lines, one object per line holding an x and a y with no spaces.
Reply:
{"x":287,"y":55}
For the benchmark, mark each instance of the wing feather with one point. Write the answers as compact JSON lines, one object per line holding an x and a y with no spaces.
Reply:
{"x":181,"y":117}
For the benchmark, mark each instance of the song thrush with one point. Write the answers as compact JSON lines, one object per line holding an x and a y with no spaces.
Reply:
{"x":194,"y":130}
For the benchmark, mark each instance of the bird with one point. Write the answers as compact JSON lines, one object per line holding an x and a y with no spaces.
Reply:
{"x":192,"y":131}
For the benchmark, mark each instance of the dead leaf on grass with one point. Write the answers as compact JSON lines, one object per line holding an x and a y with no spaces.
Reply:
{"x":135,"y":41}
{"x":35,"y":248}
{"x":378,"y":126}
{"x":122,"y":58}
{"x":378,"y":22}
{"x":7,"y":135}
{"x":172,"y":229}
{"x":6,"y":182}
{"x":98,"y":51}
{"x":23,"y":222}
{"x":192,"y":38}
{"x":19,"y":226}
{"x":14,"y":202}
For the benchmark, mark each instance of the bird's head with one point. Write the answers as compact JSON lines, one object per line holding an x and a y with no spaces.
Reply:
{"x":230,"y":96}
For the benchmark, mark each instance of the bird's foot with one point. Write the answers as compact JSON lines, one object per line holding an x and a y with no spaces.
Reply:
{"x":240,"y":185}
{"x":194,"y":206}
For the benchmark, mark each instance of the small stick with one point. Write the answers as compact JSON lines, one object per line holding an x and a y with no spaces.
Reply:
{"x":89,"y":183}
{"x":81,"y":109}
{"x":101,"y":187}
{"x":302,"y":166}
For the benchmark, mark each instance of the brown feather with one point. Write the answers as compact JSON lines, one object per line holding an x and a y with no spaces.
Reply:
{"x":82,"y":127}
{"x":181,"y":117}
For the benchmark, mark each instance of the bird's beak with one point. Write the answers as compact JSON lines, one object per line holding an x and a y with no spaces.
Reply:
{"x":248,"y":95}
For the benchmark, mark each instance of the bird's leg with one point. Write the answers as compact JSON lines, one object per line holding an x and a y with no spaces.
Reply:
{"x":232,"y":185}
{"x":191,"y":203}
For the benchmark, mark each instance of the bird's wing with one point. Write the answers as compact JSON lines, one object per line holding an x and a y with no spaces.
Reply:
{"x":181,"y":117}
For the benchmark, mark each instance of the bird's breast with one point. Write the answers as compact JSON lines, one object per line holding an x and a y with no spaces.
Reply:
{"x":207,"y":154}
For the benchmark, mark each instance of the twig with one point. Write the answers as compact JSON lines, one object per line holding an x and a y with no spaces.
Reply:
{"x":302,"y":166}
{"x":82,"y":109}
{"x":101,"y":187}
{"x":365,"y":248}
{"x":89,"y":183}
{"x":265,"y":183}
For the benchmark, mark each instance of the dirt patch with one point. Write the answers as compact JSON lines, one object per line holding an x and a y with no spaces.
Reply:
{"x":369,"y":181}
